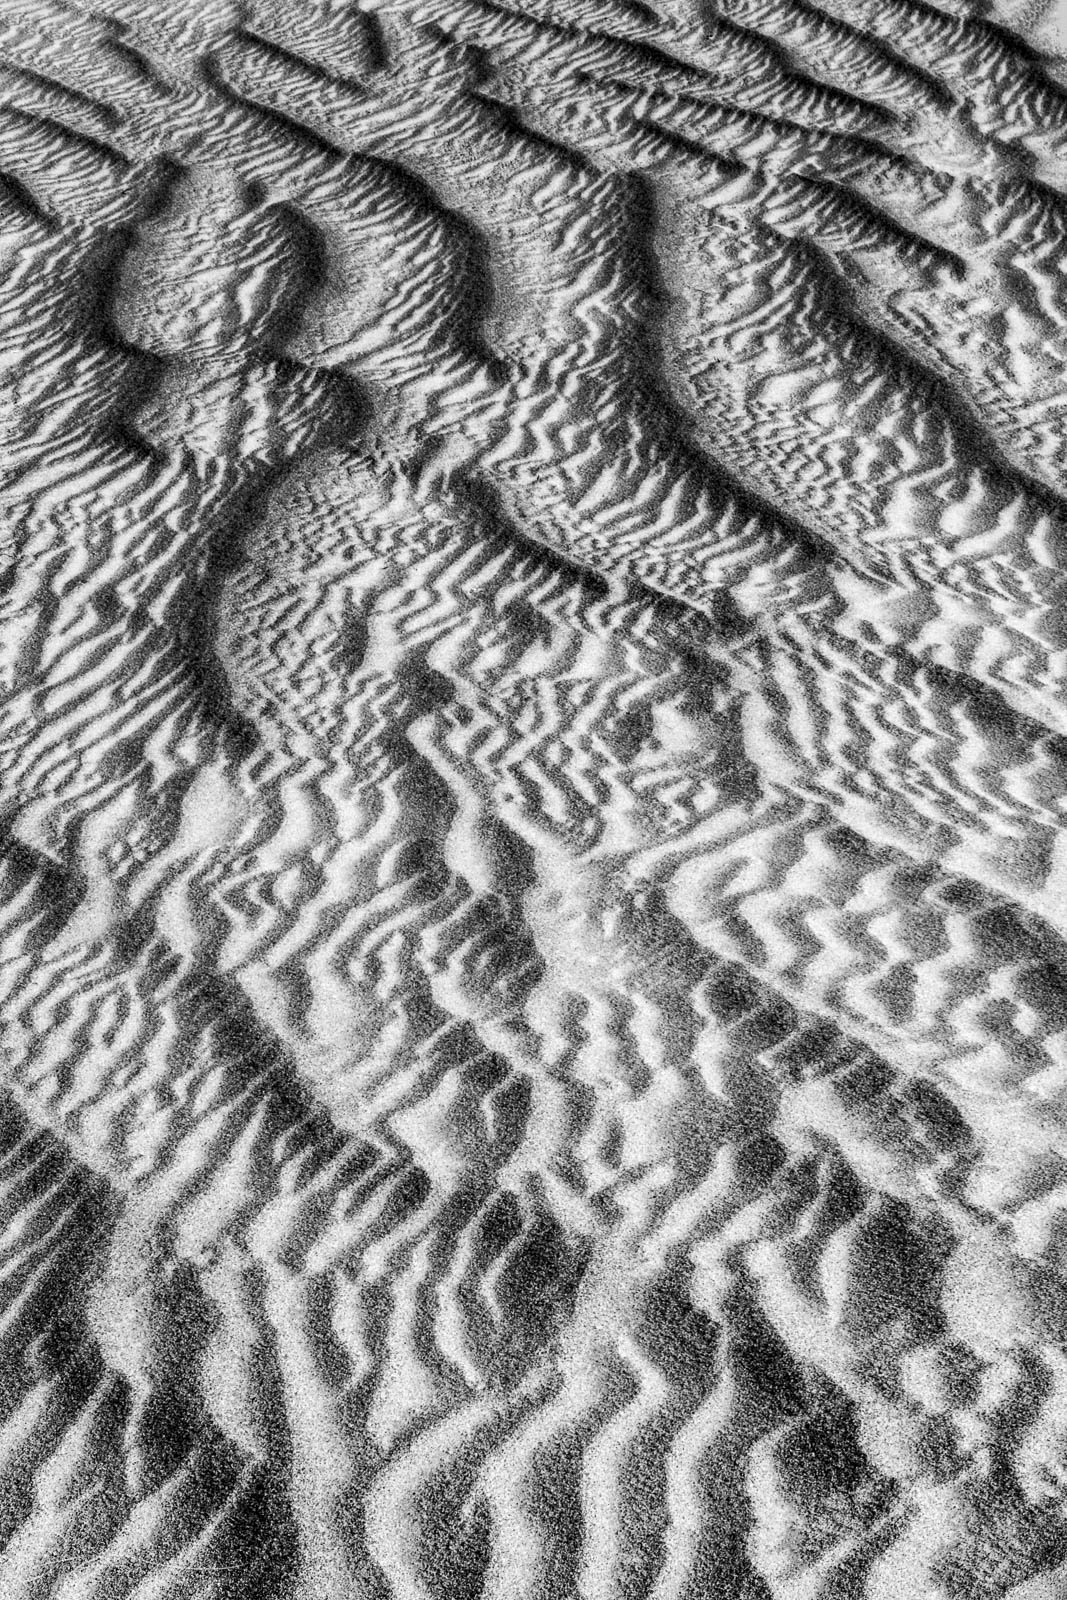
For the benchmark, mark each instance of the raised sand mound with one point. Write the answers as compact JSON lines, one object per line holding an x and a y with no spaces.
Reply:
{"x":533,"y":772}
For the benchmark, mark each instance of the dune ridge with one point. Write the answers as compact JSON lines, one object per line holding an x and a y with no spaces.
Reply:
{"x":533,"y":886}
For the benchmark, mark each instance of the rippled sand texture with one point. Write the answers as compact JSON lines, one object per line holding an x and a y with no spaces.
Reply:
{"x":533,"y":878}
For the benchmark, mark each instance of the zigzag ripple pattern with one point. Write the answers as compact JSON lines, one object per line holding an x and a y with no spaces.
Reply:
{"x":533,"y":784}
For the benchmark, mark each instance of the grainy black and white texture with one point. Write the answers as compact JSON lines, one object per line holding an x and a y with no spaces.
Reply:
{"x":533,"y":783}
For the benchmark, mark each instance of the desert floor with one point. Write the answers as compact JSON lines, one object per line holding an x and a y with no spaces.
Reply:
{"x":533,"y":784}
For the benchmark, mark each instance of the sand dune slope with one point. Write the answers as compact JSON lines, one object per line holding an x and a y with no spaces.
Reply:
{"x":533,"y":785}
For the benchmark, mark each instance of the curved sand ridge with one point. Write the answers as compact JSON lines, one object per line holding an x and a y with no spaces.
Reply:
{"x":533,"y":738}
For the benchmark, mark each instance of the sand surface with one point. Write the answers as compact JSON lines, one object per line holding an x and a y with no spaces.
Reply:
{"x":533,"y":781}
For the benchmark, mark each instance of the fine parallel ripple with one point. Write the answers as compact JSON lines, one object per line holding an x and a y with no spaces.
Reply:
{"x":533,"y":783}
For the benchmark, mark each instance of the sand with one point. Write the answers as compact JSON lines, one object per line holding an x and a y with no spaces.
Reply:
{"x":533,"y":782}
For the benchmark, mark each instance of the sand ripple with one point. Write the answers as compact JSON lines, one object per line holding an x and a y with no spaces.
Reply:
{"x":533,"y":745}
